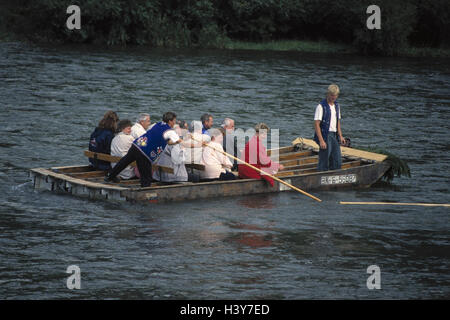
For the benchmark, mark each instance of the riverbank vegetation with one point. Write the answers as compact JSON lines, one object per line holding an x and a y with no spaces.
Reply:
{"x":408,"y":27}
{"x":319,"y":46}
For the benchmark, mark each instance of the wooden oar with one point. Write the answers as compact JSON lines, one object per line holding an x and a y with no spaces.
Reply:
{"x":259,"y":170}
{"x":401,"y":204}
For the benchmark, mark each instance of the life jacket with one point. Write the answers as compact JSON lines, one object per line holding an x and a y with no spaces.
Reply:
{"x":152,"y":143}
{"x":100,"y":141}
{"x":326,"y":119}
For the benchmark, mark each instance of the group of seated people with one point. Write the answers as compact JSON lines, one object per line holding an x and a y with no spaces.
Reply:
{"x":173,"y":144}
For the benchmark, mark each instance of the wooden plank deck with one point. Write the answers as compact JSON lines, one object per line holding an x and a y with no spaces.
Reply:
{"x":311,"y":169}
{"x":352,"y":152}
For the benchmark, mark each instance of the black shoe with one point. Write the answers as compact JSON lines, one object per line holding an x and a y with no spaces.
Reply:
{"x":108,"y":178}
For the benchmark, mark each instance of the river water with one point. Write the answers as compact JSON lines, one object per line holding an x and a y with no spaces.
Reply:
{"x":283,"y":246}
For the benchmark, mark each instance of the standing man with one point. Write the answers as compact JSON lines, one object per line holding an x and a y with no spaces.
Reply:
{"x":147,"y":149}
{"x":141,"y":126}
{"x":328,"y":132}
{"x":207,"y":122}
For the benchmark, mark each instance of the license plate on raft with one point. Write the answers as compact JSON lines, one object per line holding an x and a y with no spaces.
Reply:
{"x":341,"y":179}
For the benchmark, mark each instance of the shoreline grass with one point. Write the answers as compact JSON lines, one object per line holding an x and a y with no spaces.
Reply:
{"x":323,"y":46}
{"x":292,"y":45}
{"x":415,"y":52}
{"x":306,"y":46}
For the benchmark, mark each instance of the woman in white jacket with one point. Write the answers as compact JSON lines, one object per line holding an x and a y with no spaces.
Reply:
{"x":120,"y":145}
{"x":217,"y":165}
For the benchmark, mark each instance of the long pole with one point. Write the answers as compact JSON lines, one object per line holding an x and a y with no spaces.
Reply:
{"x":399,"y":204}
{"x":259,"y":170}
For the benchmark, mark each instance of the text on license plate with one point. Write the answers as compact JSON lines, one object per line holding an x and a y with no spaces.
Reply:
{"x":347,"y":178}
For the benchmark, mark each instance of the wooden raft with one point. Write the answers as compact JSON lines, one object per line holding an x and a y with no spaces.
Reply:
{"x":300,"y":170}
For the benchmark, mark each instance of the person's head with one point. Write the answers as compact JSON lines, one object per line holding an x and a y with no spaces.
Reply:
{"x":332,"y":93}
{"x":262,"y":129}
{"x":228,"y":124}
{"x":177,"y":129}
{"x":170,"y":118}
{"x":181,"y":127}
{"x":109,"y":121}
{"x":183,"y":124}
{"x":216,"y":135}
{"x":207,"y":120}
{"x":144,"y":120}
{"x":196,"y":126}
{"x":124,"y":126}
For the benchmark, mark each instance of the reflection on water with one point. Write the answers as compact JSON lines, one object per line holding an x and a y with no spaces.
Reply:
{"x":261,"y":238}
{"x":282,"y":246}
{"x":253,"y":240}
{"x":213,"y":233}
{"x":257,"y":202}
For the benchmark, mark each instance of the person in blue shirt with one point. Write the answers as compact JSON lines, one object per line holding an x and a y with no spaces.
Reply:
{"x":328,"y":134}
{"x":100,"y":139}
{"x":207,"y":122}
{"x":147,"y":149}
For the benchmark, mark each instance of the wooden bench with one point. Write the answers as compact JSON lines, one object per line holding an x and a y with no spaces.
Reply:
{"x":196,"y":166}
{"x":113,"y":159}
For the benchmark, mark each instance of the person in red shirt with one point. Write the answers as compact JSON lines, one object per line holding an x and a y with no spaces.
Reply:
{"x":256,"y":154}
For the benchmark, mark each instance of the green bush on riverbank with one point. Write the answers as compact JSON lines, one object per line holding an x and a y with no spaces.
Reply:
{"x":307,"y":25}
